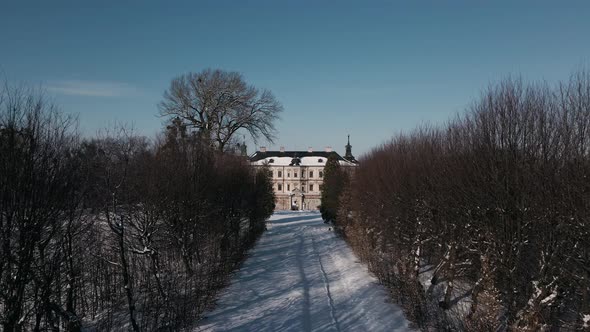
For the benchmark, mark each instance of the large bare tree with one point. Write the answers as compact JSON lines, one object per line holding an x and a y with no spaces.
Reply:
{"x":218,"y":104}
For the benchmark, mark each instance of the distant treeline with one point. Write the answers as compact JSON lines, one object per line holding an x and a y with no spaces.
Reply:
{"x":482,"y":224}
{"x":117,"y":232}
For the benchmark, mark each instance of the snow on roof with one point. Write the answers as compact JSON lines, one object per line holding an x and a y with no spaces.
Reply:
{"x":304,"y":161}
{"x":296,"y":158}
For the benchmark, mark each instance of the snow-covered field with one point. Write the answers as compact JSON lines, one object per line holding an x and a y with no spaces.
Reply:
{"x":301,"y":277}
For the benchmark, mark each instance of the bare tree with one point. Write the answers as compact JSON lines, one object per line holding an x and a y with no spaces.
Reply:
{"x":116,"y":233}
{"x":117,"y":154}
{"x":218,"y":104}
{"x":36,"y":144}
{"x":491,"y":206}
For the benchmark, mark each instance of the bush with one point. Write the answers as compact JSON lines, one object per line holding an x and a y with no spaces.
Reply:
{"x":116,"y":232}
{"x":492,"y":207}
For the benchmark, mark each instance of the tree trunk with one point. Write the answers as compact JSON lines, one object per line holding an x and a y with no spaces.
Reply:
{"x":446,"y":303}
{"x":126,"y":279}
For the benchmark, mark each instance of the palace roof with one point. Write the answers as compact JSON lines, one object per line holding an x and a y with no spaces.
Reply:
{"x":296,"y":158}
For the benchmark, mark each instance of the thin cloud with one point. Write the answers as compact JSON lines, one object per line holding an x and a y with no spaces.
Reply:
{"x":92,"y":88}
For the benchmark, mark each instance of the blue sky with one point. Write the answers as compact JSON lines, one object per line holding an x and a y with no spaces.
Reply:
{"x":366,"y":68}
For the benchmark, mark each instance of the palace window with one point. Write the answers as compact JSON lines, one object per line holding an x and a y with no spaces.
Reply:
{"x":288,"y":187}
{"x":311,"y":174}
{"x":295,"y":174}
{"x":280,"y":187}
{"x":288,"y":174}
{"x":302,"y":174}
{"x":279,"y":174}
{"x":321,"y":174}
{"x":311,"y":187}
{"x":303,"y":187}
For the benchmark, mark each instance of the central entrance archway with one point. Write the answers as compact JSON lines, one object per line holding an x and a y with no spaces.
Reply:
{"x":297,"y":199}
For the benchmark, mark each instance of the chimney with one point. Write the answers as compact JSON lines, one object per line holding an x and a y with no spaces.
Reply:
{"x":310,"y":149}
{"x":263,"y":149}
{"x":282,"y":149}
{"x":328,"y":149}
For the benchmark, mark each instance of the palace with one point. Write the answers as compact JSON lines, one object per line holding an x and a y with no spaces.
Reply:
{"x":298,"y":175}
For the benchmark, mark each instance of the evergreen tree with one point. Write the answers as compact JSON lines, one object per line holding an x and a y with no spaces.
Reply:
{"x":263,"y":204}
{"x":334,"y":182}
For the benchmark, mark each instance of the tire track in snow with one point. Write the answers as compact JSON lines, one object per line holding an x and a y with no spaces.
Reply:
{"x":327,"y":287}
{"x":305,"y":285}
{"x":284,"y":274}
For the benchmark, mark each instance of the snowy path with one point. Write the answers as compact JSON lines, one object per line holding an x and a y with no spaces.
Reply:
{"x":301,"y":277}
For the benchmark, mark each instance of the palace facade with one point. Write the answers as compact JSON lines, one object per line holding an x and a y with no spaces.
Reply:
{"x":298,"y":175}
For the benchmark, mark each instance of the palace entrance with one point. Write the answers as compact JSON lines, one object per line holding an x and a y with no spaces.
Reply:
{"x":297,"y":200}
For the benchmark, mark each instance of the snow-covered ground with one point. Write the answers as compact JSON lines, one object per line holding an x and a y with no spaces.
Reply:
{"x":301,"y":277}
